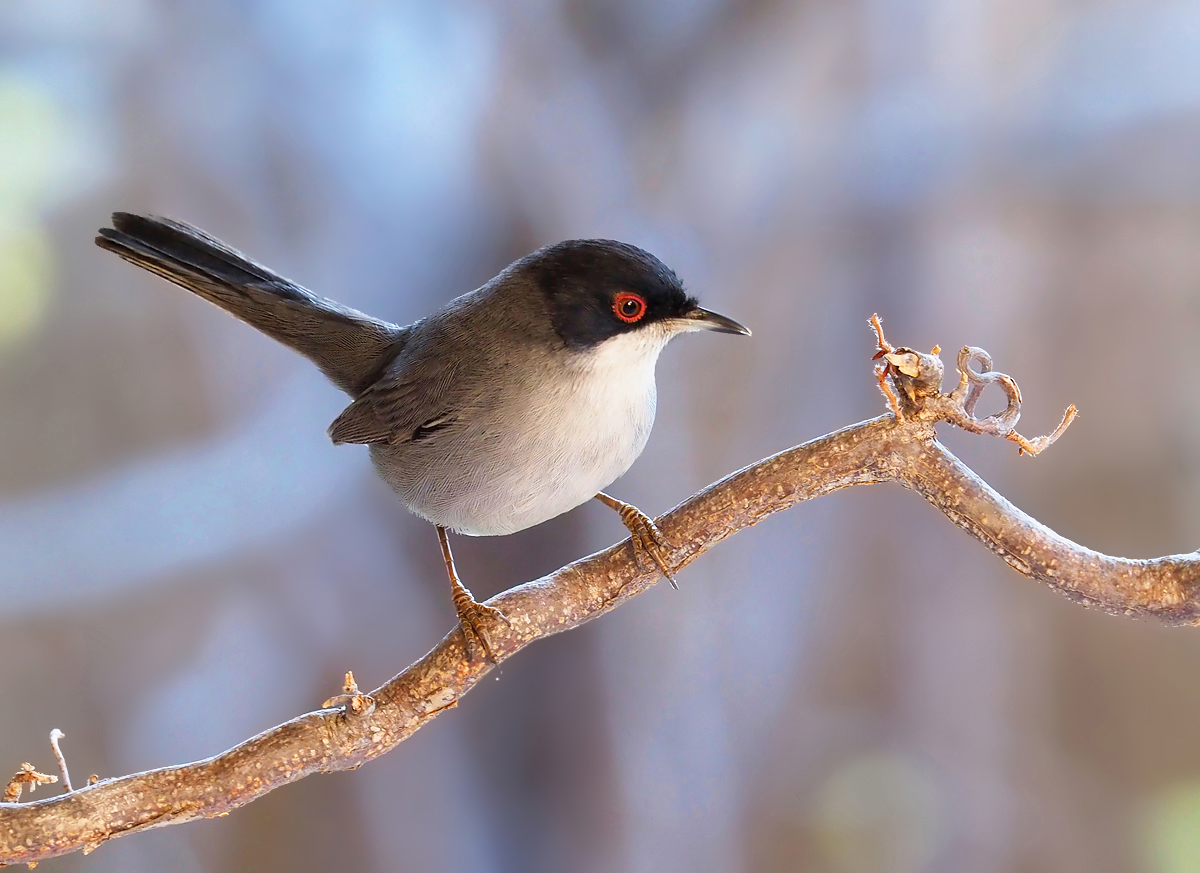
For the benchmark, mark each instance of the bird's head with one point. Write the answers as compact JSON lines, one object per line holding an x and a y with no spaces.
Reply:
{"x":599,"y":289}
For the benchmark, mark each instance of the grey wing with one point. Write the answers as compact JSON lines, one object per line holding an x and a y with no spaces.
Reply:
{"x":401,"y":407}
{"x":358,"y":423}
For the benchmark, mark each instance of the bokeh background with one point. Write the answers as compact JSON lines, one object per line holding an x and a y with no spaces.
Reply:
{"x":854,"y":685}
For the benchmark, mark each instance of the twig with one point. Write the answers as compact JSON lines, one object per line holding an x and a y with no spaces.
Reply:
{"x":353,"y":701}
{"x":55,"y":736}
{"x":898,"y":447}
{"x":25,"y":776}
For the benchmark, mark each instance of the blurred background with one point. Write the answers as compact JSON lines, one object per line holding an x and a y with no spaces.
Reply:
{"x":854,"y":685}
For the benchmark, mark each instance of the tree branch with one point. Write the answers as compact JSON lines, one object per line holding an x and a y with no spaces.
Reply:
{"x":897,"y":447}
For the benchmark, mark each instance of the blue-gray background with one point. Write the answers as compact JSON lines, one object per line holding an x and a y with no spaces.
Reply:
{"x":852,"y":686}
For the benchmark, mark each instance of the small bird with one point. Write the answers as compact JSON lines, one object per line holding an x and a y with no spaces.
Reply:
{"x":506,"y":407}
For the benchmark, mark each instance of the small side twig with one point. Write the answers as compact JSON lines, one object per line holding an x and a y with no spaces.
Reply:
{"x":906,"y":377}
{"x":26,"y":776}
{"x":1038,"y":444}
{"x":351,"y":700}
{"x":55,"y":736}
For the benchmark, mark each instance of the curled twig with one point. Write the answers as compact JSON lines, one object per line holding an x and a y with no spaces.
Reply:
{"x":917,"y":378}
{"x":900,"y":447}
{"x":973,"y":382}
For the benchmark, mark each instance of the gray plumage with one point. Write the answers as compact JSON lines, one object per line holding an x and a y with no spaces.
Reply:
{"x":502,"y":436}
{"x":347,"y":345}
{"x":508,"y":406}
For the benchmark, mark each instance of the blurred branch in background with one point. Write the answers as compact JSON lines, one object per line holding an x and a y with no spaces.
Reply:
{"x":901,"y":447}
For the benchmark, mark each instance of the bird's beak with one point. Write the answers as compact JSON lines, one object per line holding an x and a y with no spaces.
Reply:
{"x":704,"y":319}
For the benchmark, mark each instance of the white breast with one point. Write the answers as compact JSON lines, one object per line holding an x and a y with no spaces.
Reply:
{"x":553,"y":448}
{"x":612,"y":406}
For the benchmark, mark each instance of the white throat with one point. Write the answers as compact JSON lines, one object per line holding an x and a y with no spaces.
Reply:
{"x":602,"y":415}
{"x":627,"y":359}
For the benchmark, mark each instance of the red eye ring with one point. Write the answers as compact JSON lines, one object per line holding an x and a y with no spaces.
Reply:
{"x":628,"y":307}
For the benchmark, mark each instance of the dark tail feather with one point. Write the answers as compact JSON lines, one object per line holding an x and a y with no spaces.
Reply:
{"x":350,"y":348}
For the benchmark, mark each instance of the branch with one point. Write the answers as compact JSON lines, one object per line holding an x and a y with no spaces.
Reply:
{"x":898,"y":447}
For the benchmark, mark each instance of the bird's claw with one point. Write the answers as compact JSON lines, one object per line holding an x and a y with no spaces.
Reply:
{"x":473,"y":618}
{"x":648,"y":540}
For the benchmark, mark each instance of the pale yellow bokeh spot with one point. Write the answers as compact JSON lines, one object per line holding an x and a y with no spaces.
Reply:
{"x":32,"y":149}
{"x":32,"y":137}
{"x":1171,"y":830}
{"x":880,"y":813}
{"x":25,"y":281}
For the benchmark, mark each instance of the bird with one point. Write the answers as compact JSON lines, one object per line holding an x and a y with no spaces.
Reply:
{"x":506,"y":407}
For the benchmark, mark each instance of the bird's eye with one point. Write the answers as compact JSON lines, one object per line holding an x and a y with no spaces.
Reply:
{"x":629,"y":307}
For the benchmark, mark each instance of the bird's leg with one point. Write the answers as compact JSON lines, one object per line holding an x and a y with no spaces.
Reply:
{"x":647,"y":538}
{"x":471,"y":613}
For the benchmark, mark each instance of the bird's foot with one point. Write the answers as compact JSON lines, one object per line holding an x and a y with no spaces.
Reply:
{"x":648,"y":540}
{"x":474,"y":617}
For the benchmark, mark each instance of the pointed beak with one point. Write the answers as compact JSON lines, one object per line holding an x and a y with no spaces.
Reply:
{"x":704,"y":319}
